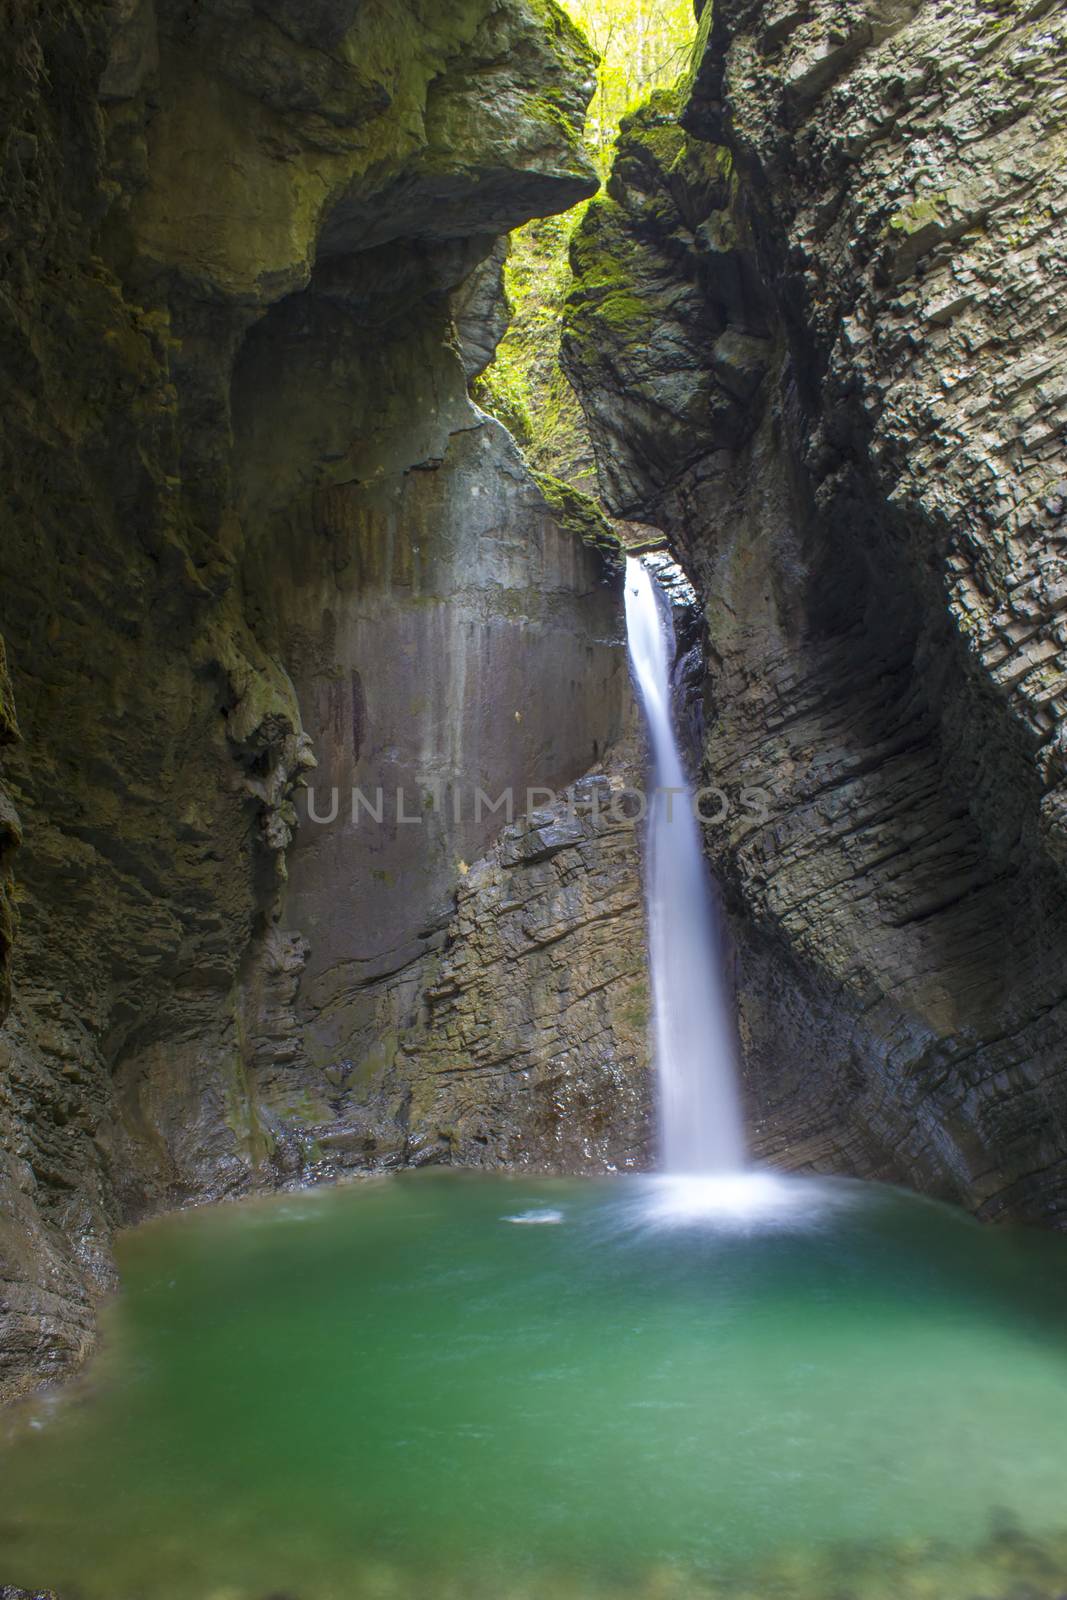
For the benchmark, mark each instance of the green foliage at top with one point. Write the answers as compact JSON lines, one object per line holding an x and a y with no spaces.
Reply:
{"x":642,"y":45}
{"x":524,"y":386}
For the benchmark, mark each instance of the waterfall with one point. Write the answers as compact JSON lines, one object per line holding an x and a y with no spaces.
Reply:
{"x":701,"y":1130}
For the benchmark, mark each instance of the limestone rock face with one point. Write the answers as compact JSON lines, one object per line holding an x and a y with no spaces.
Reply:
{"x":534,"y":1048}
{"x":512,"y":1029}
{"x":865,"y":310}
{"x":252,"y":525}
{"x":480,"y":307}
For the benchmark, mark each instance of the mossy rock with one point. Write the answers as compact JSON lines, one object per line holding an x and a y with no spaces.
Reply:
{"x":605,"y":301}
{"x":653,"y":128}
{"x":580,"y":515}
{"x":917,"y":215}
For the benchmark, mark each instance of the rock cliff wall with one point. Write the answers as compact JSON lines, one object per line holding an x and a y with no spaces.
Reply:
{"x":253,"y":523}
{"x":819,"y":333}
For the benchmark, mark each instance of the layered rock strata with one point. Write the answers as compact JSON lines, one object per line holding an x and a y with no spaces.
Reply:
{"x":820,"y":333}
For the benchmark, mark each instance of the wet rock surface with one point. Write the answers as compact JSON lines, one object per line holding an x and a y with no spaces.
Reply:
{"x":536,"y":1041}
{"x":843,"y":245}
{"x":514,"y":1032}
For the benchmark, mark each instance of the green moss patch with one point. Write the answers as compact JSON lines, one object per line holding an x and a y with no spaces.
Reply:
{"x":580,"y":515}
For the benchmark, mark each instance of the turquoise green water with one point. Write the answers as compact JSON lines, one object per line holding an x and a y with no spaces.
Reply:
{"x":392,"y":1390}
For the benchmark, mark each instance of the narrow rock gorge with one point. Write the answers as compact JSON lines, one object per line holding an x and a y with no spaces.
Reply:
{"x":285,"y":615}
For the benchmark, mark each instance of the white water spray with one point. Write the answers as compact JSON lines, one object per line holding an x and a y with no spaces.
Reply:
{"x":701,"y":1130}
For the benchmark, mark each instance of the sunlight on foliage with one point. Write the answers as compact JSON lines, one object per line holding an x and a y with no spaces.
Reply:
{"x":524,"y":387}
{"x":643,"y":45}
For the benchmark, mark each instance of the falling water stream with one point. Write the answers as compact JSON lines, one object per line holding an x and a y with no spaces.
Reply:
{"x":701,"y":1131}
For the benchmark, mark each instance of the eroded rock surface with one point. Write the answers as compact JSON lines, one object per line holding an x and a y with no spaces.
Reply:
{"x":514,"y":1032}
{"x":820,"y":332}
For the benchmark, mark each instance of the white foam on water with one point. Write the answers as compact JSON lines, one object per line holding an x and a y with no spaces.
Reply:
{"x":743,"y":1200}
